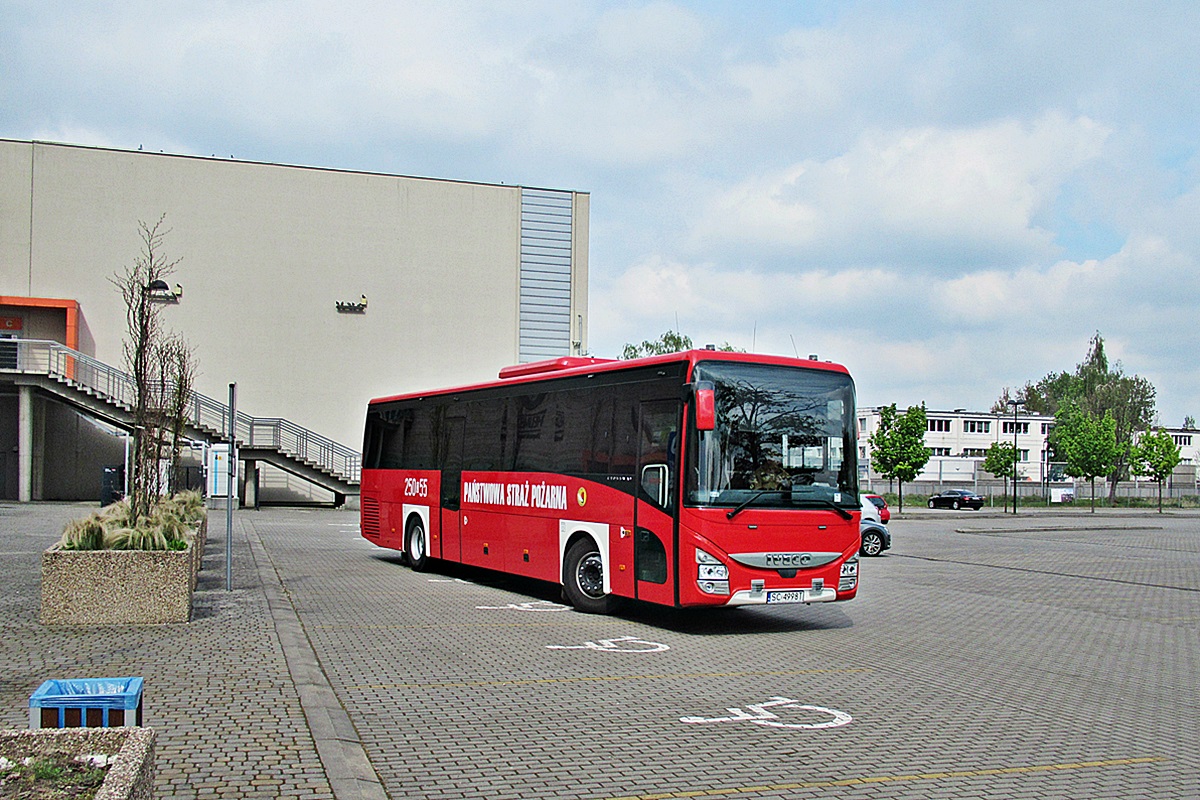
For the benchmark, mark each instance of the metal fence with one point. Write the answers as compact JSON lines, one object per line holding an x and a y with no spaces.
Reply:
{"x":995,"y":493}
{"x":115,"y":387}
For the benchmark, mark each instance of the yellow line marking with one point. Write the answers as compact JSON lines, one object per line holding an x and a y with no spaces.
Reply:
{"x":438,"y":626}
{"x":925,"y":776}
{"x":608,"y":678}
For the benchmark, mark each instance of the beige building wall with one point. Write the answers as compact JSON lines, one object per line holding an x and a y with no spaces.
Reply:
{"x":267,"y":251}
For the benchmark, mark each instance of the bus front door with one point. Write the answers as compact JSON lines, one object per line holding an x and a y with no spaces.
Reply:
{"x":656,"y":499}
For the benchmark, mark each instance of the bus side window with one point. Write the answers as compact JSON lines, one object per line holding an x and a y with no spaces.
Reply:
{"x":534,"y":447}
{"x":485,"y":435}
{"x":420,"y":440}
{"x":659,"y":434}
{"x":655,"y":483}
{"x":372,"y":441}
{"x":387,"y":430}
{"x":452,"y":461}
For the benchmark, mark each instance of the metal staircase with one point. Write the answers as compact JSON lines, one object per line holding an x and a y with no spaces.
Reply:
{"x":108,"y":393}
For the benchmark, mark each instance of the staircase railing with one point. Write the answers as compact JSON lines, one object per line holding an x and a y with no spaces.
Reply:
{"x":113,"y":386}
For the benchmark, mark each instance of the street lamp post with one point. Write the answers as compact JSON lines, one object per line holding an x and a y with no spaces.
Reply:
{"x":1016,"y":457}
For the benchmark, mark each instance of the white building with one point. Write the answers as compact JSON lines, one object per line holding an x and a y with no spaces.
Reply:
{"x":958,"y":441}
{"x":312,"y":289}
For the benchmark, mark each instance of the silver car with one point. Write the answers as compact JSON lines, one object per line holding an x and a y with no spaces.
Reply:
{"x":874,"y":534}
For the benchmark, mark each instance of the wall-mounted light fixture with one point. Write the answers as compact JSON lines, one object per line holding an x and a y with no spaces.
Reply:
{"x":352,"y":306}
{"x":159,"y":290}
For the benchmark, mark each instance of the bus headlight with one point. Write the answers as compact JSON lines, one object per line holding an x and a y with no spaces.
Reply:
{"x":849,"y":576}
{"x":711,"y":575}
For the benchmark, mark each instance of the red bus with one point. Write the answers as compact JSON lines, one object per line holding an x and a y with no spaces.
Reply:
{"x":701,"y":478}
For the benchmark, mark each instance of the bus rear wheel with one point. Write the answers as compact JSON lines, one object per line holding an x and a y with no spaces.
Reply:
{"x":583,"y":579}
{"x":418,"y":559}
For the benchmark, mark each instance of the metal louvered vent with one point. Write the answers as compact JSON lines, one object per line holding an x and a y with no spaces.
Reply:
{"x":545,"y":312}
{"x":370,"y":518}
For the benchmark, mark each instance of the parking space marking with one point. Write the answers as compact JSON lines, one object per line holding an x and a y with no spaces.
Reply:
{"x":534,"y":605}
{"x":759,"y":715}
{"x":621,"y":644}
{"x":883,"y":779}
{"x":527,"y":622}
{"x":608,"y":679}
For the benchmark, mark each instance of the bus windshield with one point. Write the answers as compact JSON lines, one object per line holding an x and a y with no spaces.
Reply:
{"x":784,"y":438}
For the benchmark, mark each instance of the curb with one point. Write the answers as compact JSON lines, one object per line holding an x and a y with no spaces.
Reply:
{"x":343,"y":757}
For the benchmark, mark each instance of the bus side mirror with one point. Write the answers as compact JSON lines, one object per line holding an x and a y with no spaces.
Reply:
{"x":706,"y":409}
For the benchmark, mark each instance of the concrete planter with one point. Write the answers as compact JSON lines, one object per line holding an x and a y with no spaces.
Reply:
{"x":120,"y":587}
{"x":131,"y":777}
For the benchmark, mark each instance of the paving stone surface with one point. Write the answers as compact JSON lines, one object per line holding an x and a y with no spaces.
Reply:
{"x":217,"y":689}
{"x":986,"y":656}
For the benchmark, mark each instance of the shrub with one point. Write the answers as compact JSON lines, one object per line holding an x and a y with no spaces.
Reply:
{"x":167,"y":527}
{"x":191,"y":503}
{"x":84,"y":534}
{"x":139,"y":538}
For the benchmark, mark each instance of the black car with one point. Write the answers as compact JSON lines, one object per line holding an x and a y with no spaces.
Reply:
{"x":956,"y":499}
{"x":875,"y":537}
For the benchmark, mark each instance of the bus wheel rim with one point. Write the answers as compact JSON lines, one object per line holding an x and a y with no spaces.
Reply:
{"x":590,"y":575}
{"x":417,"y":544}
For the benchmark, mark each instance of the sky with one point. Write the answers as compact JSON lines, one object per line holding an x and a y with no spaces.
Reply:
{"x":948,"y":198}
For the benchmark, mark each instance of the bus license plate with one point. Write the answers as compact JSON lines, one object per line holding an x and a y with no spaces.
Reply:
{"x":785,"y":597}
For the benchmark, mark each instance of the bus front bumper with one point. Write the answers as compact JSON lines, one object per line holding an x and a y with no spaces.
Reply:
{"x":751,"y":597}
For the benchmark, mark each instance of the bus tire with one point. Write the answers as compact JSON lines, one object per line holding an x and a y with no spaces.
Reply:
{"x":414,"y":546}
{"x":583,"y":579}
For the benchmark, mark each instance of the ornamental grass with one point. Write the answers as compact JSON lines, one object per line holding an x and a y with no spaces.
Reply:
{"x":166,"y":527}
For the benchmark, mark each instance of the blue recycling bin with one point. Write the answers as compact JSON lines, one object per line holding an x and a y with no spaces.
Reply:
{"x":87,"y":703}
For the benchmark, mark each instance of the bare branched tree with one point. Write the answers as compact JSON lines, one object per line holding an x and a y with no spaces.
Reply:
{"x":181,"y":373}
{"x":143,"y":350}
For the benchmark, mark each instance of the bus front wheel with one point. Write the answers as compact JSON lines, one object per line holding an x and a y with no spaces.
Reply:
{"x":583,"y":579}
{"x":418,"y":559}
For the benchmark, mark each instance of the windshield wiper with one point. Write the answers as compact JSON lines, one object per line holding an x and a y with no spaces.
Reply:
{"x":823,"y":503}
{"x":816,"y":501}
{"x":733,"y":512}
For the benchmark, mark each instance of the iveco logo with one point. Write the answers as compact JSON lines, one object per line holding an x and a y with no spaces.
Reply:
{"x":788,"y":559}
{"x":785,"y":560}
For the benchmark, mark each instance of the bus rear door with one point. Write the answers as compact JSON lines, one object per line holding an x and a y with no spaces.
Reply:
{"x":447,"y":545}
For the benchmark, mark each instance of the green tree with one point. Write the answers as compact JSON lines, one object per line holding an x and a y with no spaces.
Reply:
{"x":1155,"y":455}
{"x":1087,"y":443}
{"x":669,"y":342}
{"x":1001,"y":461}
{"x":898,"y":446}
{"x":1098,"y":388}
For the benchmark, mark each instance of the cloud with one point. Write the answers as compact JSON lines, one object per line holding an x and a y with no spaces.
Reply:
{"x":912,"y":337}
{"x":932,"y":199}
{"x":949,"y":199}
